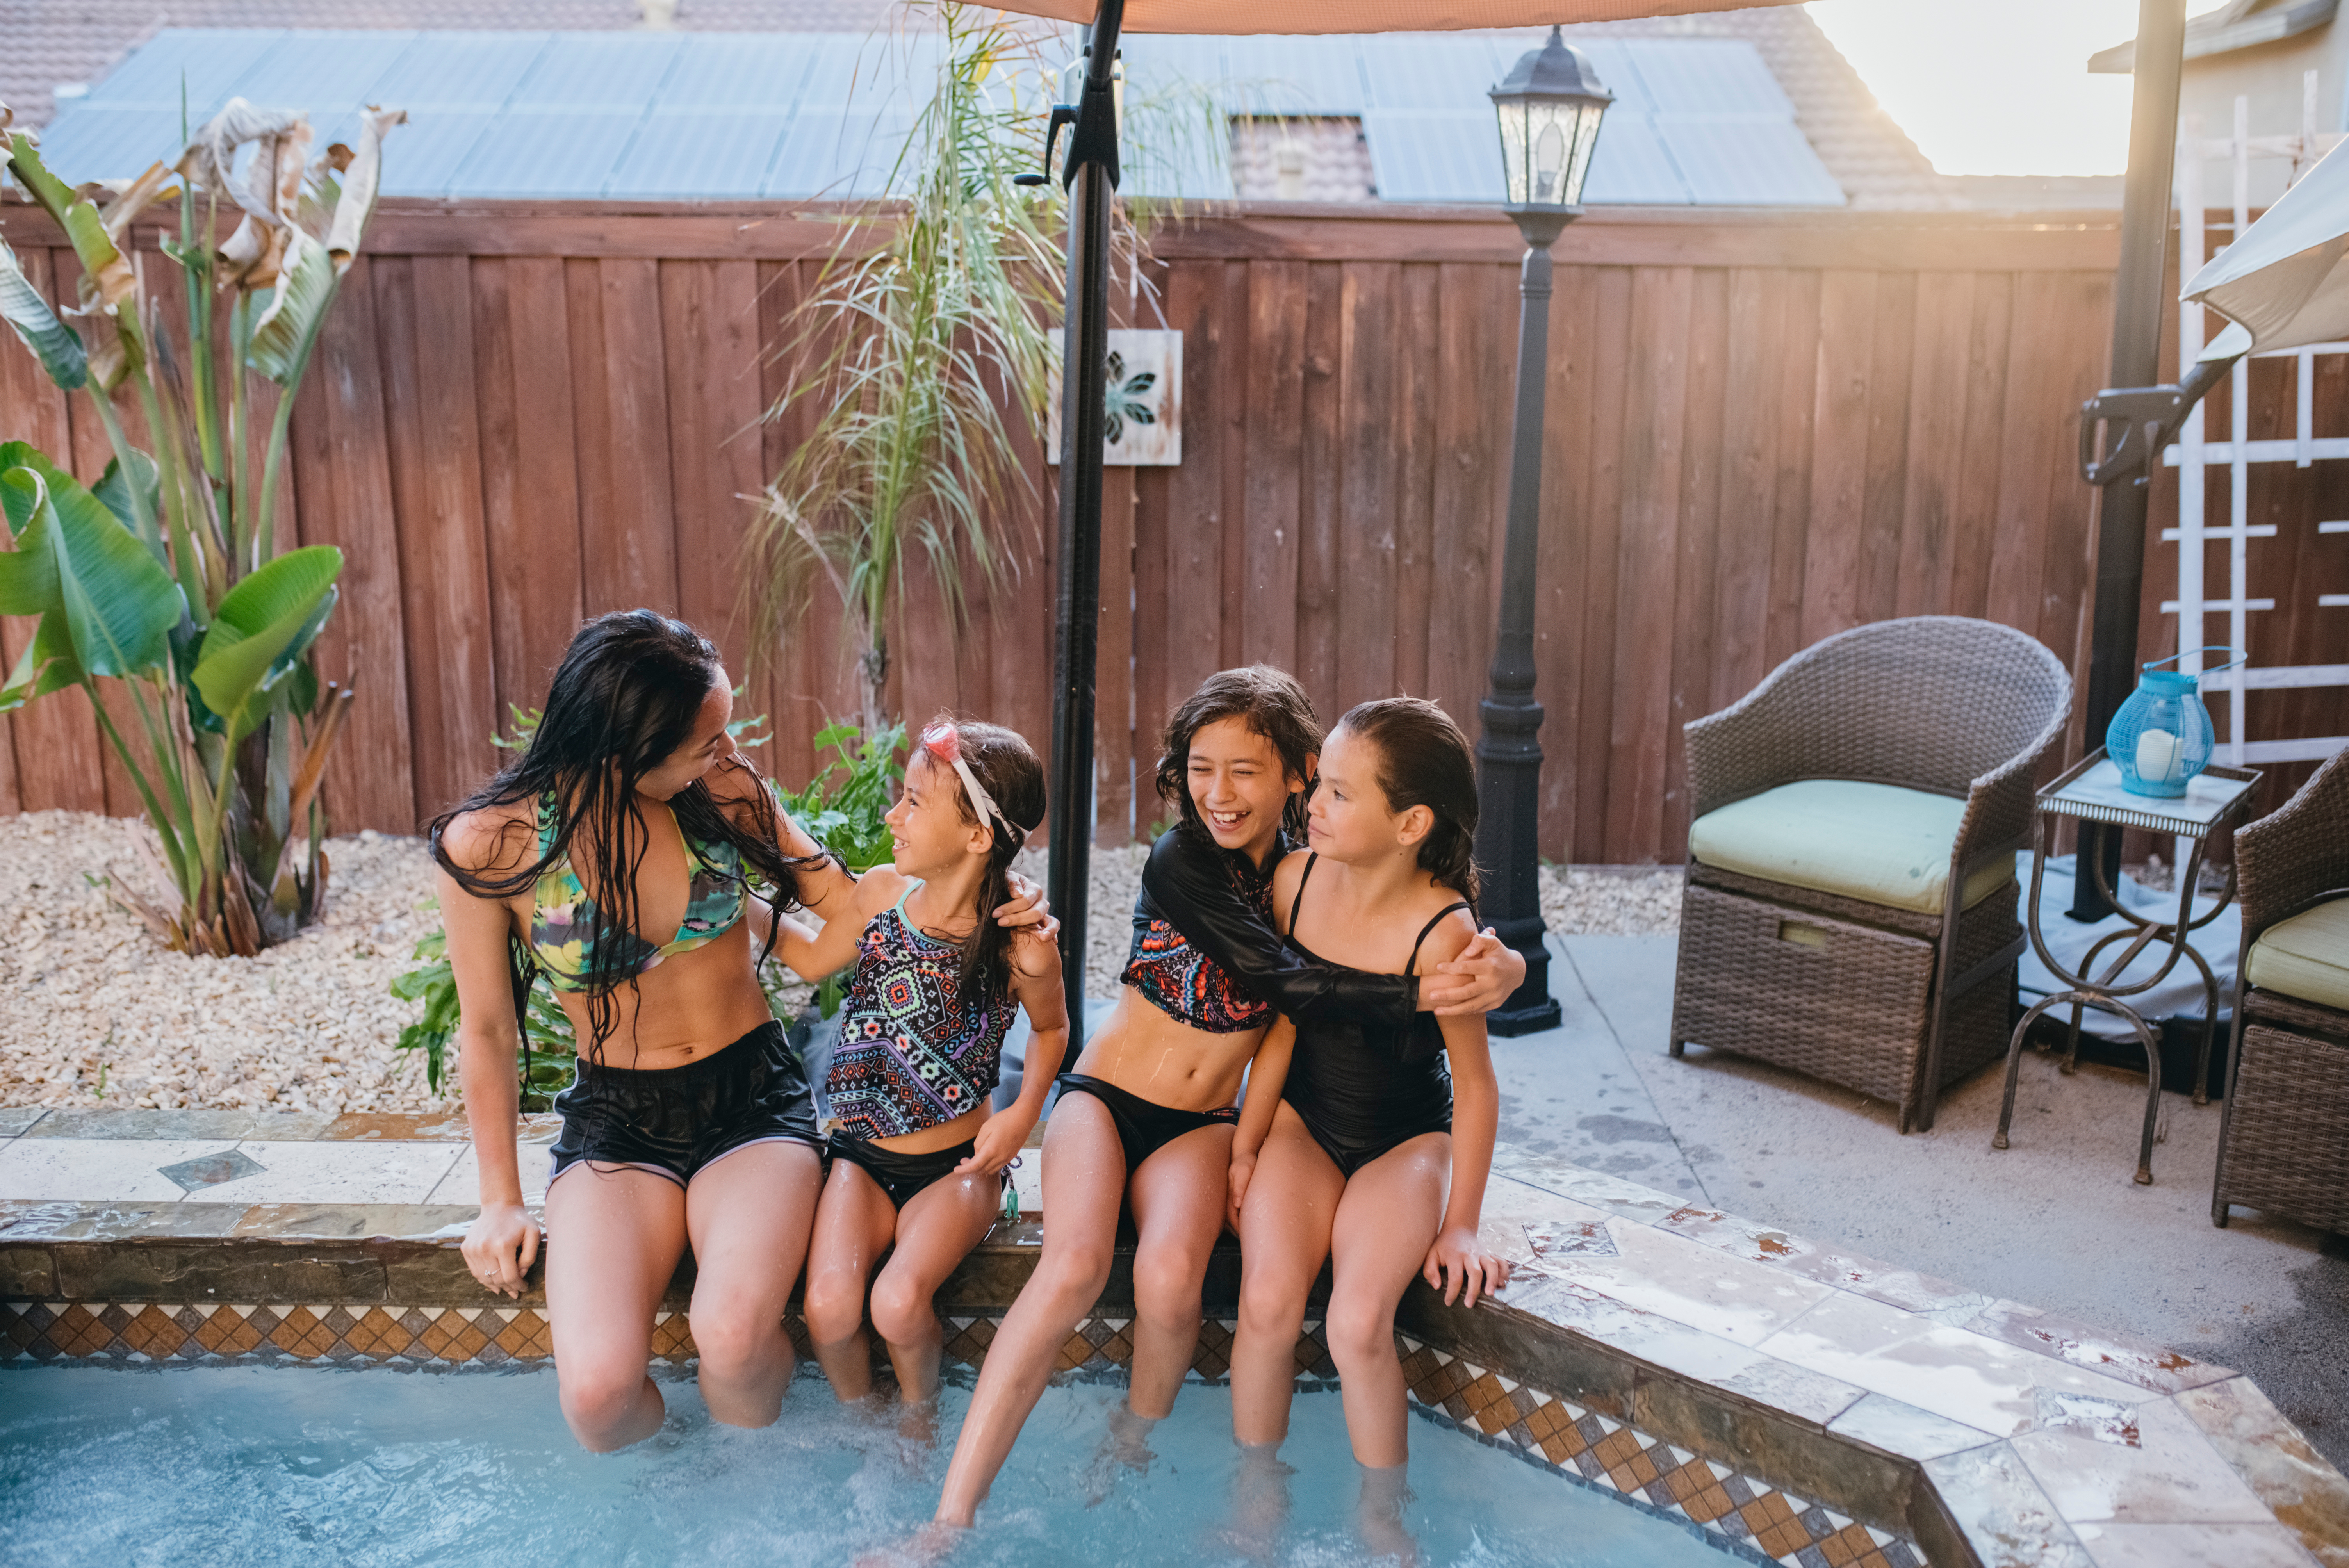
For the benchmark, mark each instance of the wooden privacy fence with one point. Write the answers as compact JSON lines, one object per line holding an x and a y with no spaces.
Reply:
{"x":1762,"y":429}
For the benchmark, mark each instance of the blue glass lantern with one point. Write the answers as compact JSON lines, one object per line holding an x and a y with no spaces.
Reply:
{"x":2161,"y":737}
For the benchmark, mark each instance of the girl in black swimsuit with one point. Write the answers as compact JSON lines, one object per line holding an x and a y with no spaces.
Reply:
{"x":1352,"y":1129}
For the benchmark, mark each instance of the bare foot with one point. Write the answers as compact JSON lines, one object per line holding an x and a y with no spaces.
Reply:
{"x":917,"y":1422}
{"x":1379,"y":1516}
{"x":933,"y":1543}
{"x":1124,"y":1446}
{"x":1260,"y":1504}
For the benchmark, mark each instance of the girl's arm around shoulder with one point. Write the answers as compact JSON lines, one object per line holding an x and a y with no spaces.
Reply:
{"x":1286,"y":878}
{"x":813,"y":954}
{"x":824,"y":884}
{"x":1035,"y":982}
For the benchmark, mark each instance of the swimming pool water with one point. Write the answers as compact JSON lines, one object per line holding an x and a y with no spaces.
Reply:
{"x":226,"y":1466}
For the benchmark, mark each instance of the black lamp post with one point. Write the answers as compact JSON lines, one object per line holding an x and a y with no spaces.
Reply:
{"x":1549,"y":107}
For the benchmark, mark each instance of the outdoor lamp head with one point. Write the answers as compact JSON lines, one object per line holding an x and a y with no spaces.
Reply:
{"x":1549,"y":106}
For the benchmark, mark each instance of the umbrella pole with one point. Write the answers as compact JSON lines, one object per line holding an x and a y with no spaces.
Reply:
{"x":2137,"y":310}
{"x":1091,"y":176}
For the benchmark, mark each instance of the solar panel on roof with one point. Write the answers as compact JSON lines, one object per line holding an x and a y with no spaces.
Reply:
{"x":320,"y":68}
{"x":1726,"y":160}
{"x":1706,"y":76}
{"x":1631,"y":167}
{"x":613,"y":72}
{"x":713,"y":157}
{"x":561,"y":153}
{"x":474,"y":72}
{"x":749,"y":75}
{"x":206,"y":60}
{"x":1438,"y":72}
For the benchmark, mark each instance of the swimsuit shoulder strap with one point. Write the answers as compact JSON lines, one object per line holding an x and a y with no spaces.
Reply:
{"x":1311,"y":859}
{"x":1441,"y":916}
{"x":911,"y":883}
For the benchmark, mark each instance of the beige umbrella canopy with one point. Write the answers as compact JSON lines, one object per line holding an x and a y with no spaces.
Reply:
{"x":2285,"y":284}
{"x":1366,"y":15}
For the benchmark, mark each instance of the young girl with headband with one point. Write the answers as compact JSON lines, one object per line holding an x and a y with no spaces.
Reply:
{"x":917,"y":1161}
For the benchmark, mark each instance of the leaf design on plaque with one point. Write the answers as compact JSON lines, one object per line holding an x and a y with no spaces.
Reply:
{"x":1126,"y":397}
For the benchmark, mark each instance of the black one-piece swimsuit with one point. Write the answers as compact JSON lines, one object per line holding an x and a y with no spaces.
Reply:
{"x":1363,"y":1090}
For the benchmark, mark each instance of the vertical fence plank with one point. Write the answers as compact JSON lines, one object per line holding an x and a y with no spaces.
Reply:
{"x":1362,"y":612}
{"x":1694,"y":578}
{"x":1894,"y":347}
{"x":1656,"y":392}
{"x":1974,"y":525}
{"x":425,"y":323}
{"x":1593,"y":754}
{"x":1472,"y":359}
{"x":1799,"y":372}
{"x":1935,"y":442}
{"x":2028,"y":448}
{"x":1832,"y":547}
{"x":55,"y":740}
{"x":342,"y":470}
{"x":627,"y":519}
{"x":529,"y":469}
{"x":1569,"y":407}
{"x":1319,"y":474}
{"x":1749,"y":494}
{"x":1114,"y":739}
{"x":1418,"y":358}
{"x":1275,"y":433}
{"x":1193,"y":610}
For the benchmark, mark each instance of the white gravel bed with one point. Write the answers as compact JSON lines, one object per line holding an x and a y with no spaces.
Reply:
{"x":95,"y":1011}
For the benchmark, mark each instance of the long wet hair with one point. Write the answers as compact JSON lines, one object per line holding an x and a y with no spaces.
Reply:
{"x":1007,"y":768}
{"x":625,"y":698}
{"x":1425,"y":760}
{"x":1272,"y":705}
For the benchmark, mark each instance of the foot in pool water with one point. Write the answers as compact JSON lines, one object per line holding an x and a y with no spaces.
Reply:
{"x":930,"y":1544}
{"x":1124,"y":1446}
{"x":1378,"y":1517}
{"x":918,"y":1425}
{"x":1260,"y":1504}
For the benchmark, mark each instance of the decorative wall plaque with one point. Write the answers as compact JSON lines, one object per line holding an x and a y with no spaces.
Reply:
{"x":1145,"y":401}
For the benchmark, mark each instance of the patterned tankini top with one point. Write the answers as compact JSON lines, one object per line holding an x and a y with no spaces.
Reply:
{"x":1185,"y":983}
{"x":913,"y":1053}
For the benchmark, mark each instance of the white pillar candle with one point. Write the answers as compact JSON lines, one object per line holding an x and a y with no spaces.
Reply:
{"x":2156,"y":754}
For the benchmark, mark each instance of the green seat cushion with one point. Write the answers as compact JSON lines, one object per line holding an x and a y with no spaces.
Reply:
{"x":1875,"y":843}
{"x":2306,"y":956}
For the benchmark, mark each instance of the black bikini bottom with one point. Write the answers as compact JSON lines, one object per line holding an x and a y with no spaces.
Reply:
{"x":1145,"y":1126}
{"x":678,"y":1122}
{"x":899,"y":1175}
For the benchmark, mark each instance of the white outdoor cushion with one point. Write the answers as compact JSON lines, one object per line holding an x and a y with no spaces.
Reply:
{"x":2306,"y":956}
{"x":1875,"y":843}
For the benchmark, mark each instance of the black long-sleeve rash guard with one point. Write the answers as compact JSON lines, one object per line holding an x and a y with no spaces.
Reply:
{"x":1190,"y":885}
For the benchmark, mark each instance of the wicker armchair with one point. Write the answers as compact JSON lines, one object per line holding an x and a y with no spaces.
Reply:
{"x":2283,"y":1138}
{"x":1888,"y":1001}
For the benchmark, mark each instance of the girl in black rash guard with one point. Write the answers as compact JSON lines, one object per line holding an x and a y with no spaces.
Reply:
{"x":1348,"y":1139}
{"x":1144,"y":1120}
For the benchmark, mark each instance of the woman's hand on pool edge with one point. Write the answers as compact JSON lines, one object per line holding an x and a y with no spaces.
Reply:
{"x":501,"y":1246}
{"x":1486,"y":974}
{"x":1458,"y":1265}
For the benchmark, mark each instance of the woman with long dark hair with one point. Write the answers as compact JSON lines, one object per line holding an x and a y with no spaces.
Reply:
{"x":616,"y":855}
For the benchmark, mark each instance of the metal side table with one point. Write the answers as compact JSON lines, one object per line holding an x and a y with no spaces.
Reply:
{"x":2091,"y":791}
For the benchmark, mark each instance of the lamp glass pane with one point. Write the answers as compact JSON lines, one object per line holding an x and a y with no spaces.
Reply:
{"x":1586,"y":140}
{"x":1553,"y":139}
{"x":1514,"y":149}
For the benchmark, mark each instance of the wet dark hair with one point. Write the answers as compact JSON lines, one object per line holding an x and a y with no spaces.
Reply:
{"x":1007,"y":768}
{"x":1273,"y":705}
{"x":1425,"y":760}
{"x":625,"y":697}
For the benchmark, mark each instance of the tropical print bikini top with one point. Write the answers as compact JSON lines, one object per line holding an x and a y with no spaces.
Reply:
{"x":1183,"y":982}
{"x":563,"y":918}
{"x":914,"y":1052}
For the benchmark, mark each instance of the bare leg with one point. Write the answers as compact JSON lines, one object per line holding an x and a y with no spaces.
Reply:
{"x":1285,"y":1224}
{"x":935,"y":1231}
{"x":1178,"y":1212}
{"x":1378,"y":1515}
{"x":749,"y":1213}
{"x":854,"y":1223}
{"x":1084,"y":1183}
{"x":1386,"y":1222}
{"x":614,"y":1236}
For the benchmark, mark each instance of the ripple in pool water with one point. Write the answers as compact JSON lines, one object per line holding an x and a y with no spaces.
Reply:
{"x":266,"y":1465}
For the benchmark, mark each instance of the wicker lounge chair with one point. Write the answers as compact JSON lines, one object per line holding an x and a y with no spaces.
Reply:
{"x":1850,"y":906}
{"x":2283,"y":1138}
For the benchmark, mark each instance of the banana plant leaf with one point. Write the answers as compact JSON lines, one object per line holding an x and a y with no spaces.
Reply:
{"x":118,"y":603}
{"x":56,"y":345}
{"x":114,"y":490}
{"x":283,"y":333}
{"x":48,"y":664}
{"x":260,"y":631}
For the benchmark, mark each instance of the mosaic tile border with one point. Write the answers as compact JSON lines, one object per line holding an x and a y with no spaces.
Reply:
{"x":1761,"y":1522}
